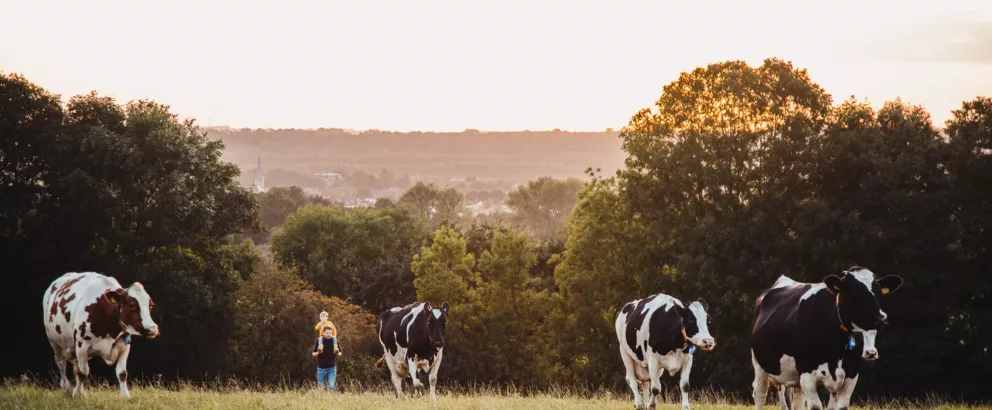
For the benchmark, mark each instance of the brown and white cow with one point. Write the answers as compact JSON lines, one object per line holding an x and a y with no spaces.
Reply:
{"x":89,"y":314}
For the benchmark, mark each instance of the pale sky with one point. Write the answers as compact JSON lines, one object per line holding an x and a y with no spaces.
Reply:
{"x":492,"y":65}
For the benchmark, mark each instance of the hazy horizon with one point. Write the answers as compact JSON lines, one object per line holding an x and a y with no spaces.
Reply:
{"x":447,"y":66}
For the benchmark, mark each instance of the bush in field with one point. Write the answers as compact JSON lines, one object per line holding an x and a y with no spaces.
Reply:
{"x":274,"y":315}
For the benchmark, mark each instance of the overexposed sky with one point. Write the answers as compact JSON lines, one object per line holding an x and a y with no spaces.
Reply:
{"x":494,"y":65}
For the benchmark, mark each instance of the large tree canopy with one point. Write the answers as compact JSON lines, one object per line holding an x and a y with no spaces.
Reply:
{"x":130,"y":191}
{"x":741,"y":174}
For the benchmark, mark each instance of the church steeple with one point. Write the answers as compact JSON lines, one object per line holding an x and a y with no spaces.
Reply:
{"x":259,"y":179}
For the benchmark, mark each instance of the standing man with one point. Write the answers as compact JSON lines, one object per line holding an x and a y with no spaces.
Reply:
{"x":326,"y":359}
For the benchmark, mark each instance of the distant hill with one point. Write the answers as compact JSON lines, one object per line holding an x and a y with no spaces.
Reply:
{"x":510,"y":156}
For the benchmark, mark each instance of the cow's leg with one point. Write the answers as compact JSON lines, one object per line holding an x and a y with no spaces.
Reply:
{"x":845,"y":392}
{"x":122,"y":371}
{"x":410,"y":364}
{"x":433,"y":378}
{"x":684,"y":382}
{"x":63,"y":379}
{"x":760,"y":384}
{"x":645,"y":392}
{"x":394,"y":372}
{"x":832,"y":404}
{"x":78,"y":390}
{"x":631,"y":378}
{"x":807,"y":381}
{"x":798,"y":399}
{"x":654,"y":372}
{"x":791,"y":398}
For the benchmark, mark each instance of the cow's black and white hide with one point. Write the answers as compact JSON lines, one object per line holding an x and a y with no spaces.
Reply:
{"x":816,"y":334}
{"x":412,"y":338}
{"x":656,"y":334}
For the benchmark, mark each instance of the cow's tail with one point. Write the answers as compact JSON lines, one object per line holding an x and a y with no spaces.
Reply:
{"x":381,"y":362}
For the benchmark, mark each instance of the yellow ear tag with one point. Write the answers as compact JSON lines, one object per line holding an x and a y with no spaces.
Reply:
{"x":885,"y":291}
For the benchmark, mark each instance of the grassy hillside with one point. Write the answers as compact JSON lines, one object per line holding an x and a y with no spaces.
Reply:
{"x":26,"y":396}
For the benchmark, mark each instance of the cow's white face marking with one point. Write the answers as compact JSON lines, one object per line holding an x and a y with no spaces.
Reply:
{"x":864,"y":276}
{"x":816,"y":288}
{"x":704,"y":331}
{"x":870,"y":352}
{"x":437,"y":313}
{"x":137,"y":291}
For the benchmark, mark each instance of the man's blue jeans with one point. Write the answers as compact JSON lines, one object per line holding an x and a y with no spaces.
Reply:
{"x":326,"y":376}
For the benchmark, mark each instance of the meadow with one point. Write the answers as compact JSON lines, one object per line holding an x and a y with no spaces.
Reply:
{"x":29,"y":395}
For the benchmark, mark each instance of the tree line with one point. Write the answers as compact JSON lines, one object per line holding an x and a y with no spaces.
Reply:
{"x":737,"y":175}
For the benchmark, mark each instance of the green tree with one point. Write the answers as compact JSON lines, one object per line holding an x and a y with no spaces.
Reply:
{"x":31,"y":121}
{"x":361,"y":255}
{"x":970,"y":139}
{"x":883,"y":199}
{"x":130,"y":191}
{"x":445,"y":270}
{"x":715,"y":172}
{"x":448,"y":205}
{"x":420,"y":199}
{"x":277,"y":203}
{"x":433,"y":204}
{"x":483,"y":296}
{"x":511,"y":351}
{"x":605,"y":265}
{"x":542,"y":207}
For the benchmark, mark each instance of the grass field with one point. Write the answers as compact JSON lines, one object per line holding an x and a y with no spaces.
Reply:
{"x":32,"y":396}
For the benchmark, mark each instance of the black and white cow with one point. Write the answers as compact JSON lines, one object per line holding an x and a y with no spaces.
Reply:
{"x":808,"y":335}
{"x":412,"y":339}
{"x":89,"y":314}
{"x":656,"y":334}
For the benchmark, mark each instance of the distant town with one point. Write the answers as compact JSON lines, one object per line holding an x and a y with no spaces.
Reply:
{"x":483,"y":196}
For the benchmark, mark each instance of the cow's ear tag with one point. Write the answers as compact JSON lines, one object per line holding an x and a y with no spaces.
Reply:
{"x":111,"y":297}
{"x":850,"y":343}
{"x":836,"y":288}
{"x":127,"y":339}
{"x":885,"y":291}
{"x":692,"y":349}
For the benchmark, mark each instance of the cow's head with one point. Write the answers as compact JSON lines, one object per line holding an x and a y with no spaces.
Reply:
{"x":859,"y":294}
{"x":695,"y":324}
{"x":436,"y":321}
{"x":135,"y":307}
